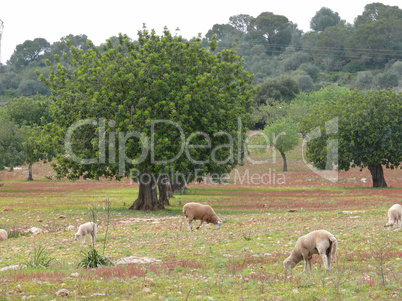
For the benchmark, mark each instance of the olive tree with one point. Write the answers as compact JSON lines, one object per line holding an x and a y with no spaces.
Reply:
{"x":156,"y":110}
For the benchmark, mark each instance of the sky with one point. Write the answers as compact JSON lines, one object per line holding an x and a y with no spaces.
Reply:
{"x":100,"y":20}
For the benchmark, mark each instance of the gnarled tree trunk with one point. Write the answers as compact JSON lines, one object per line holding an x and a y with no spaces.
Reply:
{"x":377,"y":175}
{"x":147,"y":195}
{"x":30,"y":178}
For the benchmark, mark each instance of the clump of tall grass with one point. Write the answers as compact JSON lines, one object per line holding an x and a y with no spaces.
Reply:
{"x":39,"y":258}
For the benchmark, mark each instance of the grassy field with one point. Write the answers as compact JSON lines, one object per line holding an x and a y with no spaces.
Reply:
{"x":241,"y":261}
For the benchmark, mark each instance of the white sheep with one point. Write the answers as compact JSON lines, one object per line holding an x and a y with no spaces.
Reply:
{"x":3,"y":235}
{"x":204,"y":213}
{"x":394,"y":216}
{"x":87,"y":228}
{"x":316,"y":242}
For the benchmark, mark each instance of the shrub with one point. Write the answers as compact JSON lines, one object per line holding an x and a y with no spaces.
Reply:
{"x":92,"y":259}
{"x":39,"y":258}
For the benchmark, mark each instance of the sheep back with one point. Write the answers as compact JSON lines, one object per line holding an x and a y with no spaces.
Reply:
{"x":3,"y":235}
{"x":196,"y":211}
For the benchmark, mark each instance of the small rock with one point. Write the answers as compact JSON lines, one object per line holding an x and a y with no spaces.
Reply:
{"x":35,"y":230}
{"x":62,"y":216}
{"x":63,"y":292}
{"x":8,"y":209}
{"x":146,"y":290}
{"x":39,"y":220}
{"x":74,"y":275}
{"x":292,"y":210}
{"x":70,"y":228}
{"x":10,"y":267}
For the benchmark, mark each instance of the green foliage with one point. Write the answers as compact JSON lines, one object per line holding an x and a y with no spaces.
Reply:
{"x":377,"y":35}
{"x":92,"y":259}
{"x":11,"y":144}
{"x":283,"y":135}
{"x":30,"y":111}
{"x":274,"y":29}
{"x":27,"y":52}
{"x":369,"y":127}
{"x":324,"y":18}
{"x":39,"y":258}
{"x":160,"y":78}
{"x":283,"y":88}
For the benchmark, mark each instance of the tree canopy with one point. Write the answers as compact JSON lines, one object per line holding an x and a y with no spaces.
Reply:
{"x":163,"y":104}
{"x":366,"y":129}
{"x":324,"y":18}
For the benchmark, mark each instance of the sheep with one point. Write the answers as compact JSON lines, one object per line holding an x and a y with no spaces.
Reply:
{"x":87,"y":228}
{"x":316,"y":242}
{"x":394,"y":216}
{"x":3,"y":235}
{"x":205,"y":213}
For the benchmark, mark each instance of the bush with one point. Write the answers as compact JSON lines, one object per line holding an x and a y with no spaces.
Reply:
{"x":32,"y":87}
{"x":39,"y":258}
{"x":388,"y":79}
{"x":92,"y":259}
{"x":364,"y":79}
{"x":305,"y":83}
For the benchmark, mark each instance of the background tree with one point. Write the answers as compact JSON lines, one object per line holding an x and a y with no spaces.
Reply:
{"x":27,"y":52}
{"x":283,"y":136}
{"x":368,"y":132}
{"x":275,"y":29}
{"x":377,"y":36}
{"x":324,"y":18}
{"x":31,"y":114}
{"x":11,"y":144}
{"x":159,"y":78}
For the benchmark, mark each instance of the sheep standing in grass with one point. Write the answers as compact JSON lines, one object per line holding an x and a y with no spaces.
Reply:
{"x":87,"y":228}
{"x":3,"y":235}
{"x":394,"y":216}
{"x":317,"y":242}
{"x":204,"y":213}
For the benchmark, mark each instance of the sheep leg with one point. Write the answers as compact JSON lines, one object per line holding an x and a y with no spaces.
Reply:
{"x":309,"y":264}
{"x":84,"y":238}
{"x":189,"y":226}
{"x":305,"y":264}
{"x":325,"y":260}
{"x":200,"y":225}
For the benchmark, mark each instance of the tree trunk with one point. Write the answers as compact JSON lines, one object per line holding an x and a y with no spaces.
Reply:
{"x":176,"y":185}
{"x":285,"y":163}
{"x":163,"y":191}
{"x":377,"y":175}
{"x":169,"y":190}
{"x":147,"y":195}
{"x":30,"y":178}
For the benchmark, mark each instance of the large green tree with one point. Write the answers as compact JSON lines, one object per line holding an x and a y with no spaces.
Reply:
{"x":150,"y":110}
{"x":357,"y":130}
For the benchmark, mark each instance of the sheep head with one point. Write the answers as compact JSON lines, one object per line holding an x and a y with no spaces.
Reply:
{"x":76,"y":235}
{"x":218,"y":224}
{"x":288,"y":263}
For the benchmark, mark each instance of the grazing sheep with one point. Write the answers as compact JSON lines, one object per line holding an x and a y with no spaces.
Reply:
{"x":394,"y":216}
{"x":205,"y":213}
{"x":317,"y":242}
{"x":3,"y":235}
{"x":87,"y":228}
